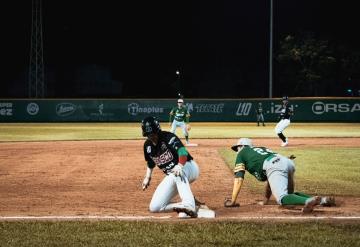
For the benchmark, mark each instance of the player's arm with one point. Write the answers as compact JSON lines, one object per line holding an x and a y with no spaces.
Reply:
{"x":171,"y":116}
{"x":147,"y":178}
{"x":175,"y":144}
{"x":239,"y":172}
{"x":267,"y":194}
{"x":182,"y":153}
{"x":149,"y":169}
{"x":187,"y":117}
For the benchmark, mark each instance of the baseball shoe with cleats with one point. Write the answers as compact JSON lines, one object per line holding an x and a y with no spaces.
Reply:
{"x":327,"y":201}
{"x":183,"y":215}
{"x":284,"y":144}
{"x":190,"y":211}
{"x":311,"y":203}
{"x":198,"y":203}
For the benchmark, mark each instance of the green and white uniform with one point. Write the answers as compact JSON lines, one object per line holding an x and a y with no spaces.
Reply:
{"x":179,"y":117}
{"x":265,"y":164}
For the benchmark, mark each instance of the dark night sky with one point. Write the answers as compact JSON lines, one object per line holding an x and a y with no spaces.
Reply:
{"x":220,"y":47}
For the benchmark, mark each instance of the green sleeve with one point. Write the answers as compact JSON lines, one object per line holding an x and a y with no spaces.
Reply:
{"x":182,"y":151}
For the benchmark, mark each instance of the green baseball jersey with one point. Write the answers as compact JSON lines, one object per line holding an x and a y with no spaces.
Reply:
{"x":251,"y":159}
{"x":179,"y":114}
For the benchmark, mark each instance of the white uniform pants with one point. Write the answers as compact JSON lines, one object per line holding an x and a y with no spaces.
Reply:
{"x":182,"y":125}
{"x":171,"y":185}
{"x":278,"y":171}
{"x":283,"y":124}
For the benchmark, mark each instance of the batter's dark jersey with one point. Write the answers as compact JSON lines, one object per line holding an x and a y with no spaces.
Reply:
{"x":165,"y":153}
{"x":285,"y":112}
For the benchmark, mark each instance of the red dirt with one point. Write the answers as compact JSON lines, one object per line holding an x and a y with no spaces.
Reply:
{"x":104,"y":178}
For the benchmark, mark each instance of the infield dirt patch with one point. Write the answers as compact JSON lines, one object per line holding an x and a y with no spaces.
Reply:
{"x":75,"y":178}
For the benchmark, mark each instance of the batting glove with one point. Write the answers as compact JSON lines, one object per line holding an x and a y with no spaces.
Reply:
{"x":177,"y":170}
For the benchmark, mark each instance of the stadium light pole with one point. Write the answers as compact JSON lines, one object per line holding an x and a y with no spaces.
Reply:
{"x":178,"y":81}
{"x":271,"y":51}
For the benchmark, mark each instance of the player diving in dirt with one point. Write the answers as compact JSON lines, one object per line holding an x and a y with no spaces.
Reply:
{"x":277,"y":170}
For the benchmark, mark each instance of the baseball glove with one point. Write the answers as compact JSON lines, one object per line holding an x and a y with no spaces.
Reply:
{"x":229,"y":204}
{"x":292,"y":157}
{"x":188,"y":127}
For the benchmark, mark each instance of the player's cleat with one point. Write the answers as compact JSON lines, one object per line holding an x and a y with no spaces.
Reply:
{"x":311,"y":203}
{"x":183,"y":215}
{"x":327,"y":201}
{"x":198,"y":203}
{"x":284,"y":144}
{"x":190,"y":211}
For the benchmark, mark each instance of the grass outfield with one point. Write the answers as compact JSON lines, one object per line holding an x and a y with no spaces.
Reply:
{"x":323,"y":170}
{"x":116,"y":131}
{"x":115,"y":233}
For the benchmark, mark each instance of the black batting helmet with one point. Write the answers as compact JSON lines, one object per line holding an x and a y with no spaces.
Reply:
{"x":150,"y":125}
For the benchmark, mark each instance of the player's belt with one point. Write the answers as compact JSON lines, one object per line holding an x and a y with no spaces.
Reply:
{"x":273,"y":160}
{"x":270,"y":157}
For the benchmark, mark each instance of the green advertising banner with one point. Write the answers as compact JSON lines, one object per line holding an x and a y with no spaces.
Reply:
{"x":201,"y":110}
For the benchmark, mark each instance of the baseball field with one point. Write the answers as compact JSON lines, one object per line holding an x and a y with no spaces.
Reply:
{"x":79,"y":184}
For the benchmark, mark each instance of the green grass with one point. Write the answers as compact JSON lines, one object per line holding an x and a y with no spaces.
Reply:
{"x":111,"y":131}
{"x":115,"y":233}
{"x":319,"y":170}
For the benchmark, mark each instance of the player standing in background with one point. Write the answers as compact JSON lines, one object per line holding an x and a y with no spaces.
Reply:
{"x":285,"y":113}
{"x":260,"y":115}
{"x":179,"y":117}
{"x":277,"y":170}
{"x":165,"y":150}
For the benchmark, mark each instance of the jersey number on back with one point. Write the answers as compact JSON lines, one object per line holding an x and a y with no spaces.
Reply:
{"x":262,"y":151}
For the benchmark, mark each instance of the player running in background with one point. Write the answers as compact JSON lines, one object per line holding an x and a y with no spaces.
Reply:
{"x":179,"y":117}
{"x":277,"y":170}
{"x":260,"y":114}
{"x":165,"y":150}
{"x":285,"y":113}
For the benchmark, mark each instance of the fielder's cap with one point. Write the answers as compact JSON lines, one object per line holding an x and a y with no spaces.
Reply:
{"x":285,"y":98}
{"x":242,"y":142}
{"x":180,"y":101}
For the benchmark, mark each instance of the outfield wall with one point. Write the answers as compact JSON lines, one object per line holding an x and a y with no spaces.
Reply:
{"x":202,"y":110}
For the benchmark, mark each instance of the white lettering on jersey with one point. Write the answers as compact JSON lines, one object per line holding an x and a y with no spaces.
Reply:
{"x":163,"y":158}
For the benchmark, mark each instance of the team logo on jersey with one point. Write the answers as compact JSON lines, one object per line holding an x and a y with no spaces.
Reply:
{"x":163,"y":146}
{"x":163,"y":158}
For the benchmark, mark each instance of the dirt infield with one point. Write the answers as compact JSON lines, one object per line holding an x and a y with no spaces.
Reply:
{"x":103,"y":178}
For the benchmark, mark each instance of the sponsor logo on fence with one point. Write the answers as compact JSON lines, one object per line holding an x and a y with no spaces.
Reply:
{"x":6,"y":109}
{"x":205,"y":108}
{"x":135,"y":109}
{"x":32,"y":108}
{"x":319,"y":107}
{"x":243,"y":109}
{"x":276,"y":108}
{"x":100,"y":112}
{"x":65,"y":109}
